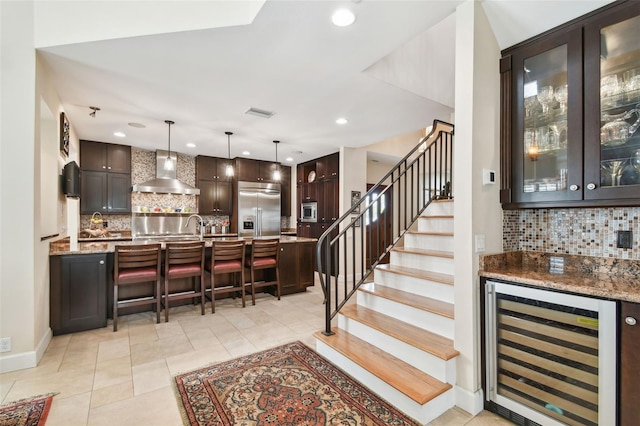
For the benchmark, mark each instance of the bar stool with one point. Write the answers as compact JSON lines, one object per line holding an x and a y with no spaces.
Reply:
{"x":136,"y":264}
{"x":265,"y":254}
{"x":226,"y":257}
{"x":183,"y":260}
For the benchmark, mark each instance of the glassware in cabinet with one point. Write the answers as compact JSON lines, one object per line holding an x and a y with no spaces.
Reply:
{"x":612,"y":105}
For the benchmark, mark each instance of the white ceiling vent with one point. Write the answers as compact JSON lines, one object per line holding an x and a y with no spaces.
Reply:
{"x":259,"y":112}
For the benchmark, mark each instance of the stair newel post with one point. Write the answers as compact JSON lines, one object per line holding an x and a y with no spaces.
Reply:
{"x":327,"y":280}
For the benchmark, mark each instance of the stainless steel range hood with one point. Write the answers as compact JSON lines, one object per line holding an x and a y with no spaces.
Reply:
{"x":166,"y":181}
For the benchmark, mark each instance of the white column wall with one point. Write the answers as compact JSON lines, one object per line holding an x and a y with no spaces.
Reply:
{"x":477,"y":207}
{"x":17,"y":180}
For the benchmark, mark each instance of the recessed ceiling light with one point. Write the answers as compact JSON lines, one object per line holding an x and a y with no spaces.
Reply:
{"x":119,"y":134}
{"x":246,"y":153}
{"x":342,"y":120}
{"x":191,"y":145}
{"x":343,"y":18}
{"x":289,"y":159}
{"x":137,"y":125}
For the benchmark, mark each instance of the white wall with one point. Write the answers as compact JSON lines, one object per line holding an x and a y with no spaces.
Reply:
{"x":26,"y":191}
{"x":17,"y":202}
{"x":477,"y":208}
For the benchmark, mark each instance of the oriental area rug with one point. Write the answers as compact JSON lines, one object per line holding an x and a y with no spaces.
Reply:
{"x":26,"y":412}
{"x":287,"y":385}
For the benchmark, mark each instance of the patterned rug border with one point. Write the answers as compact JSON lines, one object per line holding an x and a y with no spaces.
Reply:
{"x":48,"y":397}
{"x":181,"y":403}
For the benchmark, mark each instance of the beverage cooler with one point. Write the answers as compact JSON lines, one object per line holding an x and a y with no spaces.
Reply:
{"x":550,"y":357}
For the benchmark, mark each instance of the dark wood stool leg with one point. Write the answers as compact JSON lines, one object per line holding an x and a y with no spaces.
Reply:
{"x":115,"y":308}
{"x":158,"y":297}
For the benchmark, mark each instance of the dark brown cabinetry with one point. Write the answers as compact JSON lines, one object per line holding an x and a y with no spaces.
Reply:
{"x":105,"y":178}
{"x":296,"y":267}
{"x":78,"y":299}
{"x":328,"y":167}
{"x":318,"y":180}
{"x":285,"y":190}
{"x":254,"y":170}
{"x":328,"y":208}
{"x":212,"y":168}
{"x":569,"y":131}
{"x":629,"y":363}
{"x":216,"y":197}
{"x":105,"y":157}
{"x":216,"y":188}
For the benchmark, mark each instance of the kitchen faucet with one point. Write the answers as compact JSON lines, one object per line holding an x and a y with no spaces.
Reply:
{"x":201,"y":224}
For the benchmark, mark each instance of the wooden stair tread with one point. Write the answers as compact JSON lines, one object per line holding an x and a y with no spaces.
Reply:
{"x":427,"y":341}
{"x":425,"y":252}
{"x":417,"y":273}
{"x":413,"y":383}
{"x":441,"y":234}
{"x":427,"y":304}
{"x":436,"y":216}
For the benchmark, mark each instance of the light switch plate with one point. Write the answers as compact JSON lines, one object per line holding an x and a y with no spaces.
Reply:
{"x":479,"y":243}
{"x":488,"y":177}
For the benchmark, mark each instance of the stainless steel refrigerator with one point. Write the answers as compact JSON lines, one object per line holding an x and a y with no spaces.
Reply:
{"x":258,"y":209}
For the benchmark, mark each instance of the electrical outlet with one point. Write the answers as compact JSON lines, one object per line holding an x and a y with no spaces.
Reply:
{"x":5,"y":344}
{"x":624,"y":239}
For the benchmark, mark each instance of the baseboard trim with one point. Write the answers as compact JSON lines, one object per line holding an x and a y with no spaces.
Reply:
{"x":471,"y":402}
{"x":28,"y":359}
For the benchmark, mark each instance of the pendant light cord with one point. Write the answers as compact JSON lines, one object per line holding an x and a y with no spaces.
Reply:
{"x":169,"y":122}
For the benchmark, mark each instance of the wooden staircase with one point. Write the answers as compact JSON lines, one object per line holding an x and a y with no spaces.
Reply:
{"x":397,"y":339}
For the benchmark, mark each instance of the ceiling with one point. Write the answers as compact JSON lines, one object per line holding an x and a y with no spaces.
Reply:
{"x":142,"y":64}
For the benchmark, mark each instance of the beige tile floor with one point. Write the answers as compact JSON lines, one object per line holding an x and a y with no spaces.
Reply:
{"x":124,"y":378}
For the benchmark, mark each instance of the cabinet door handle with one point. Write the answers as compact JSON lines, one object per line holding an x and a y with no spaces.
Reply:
{"x":591,"y":186}
{"x":109,"y":167}
{"x":630,"y":321}
{"x":102,"y":262}
{"x":574,"y":187}
{"x":104,"y":207}
{"x":104,"y":167}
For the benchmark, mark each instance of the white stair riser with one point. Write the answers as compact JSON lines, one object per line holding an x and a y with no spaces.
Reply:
{"x":443,"y":265}
{"x":422,"y":413}
{"x":437,"y":224}
{"x":417,"y":317}
{"x":443,"y":208}
{"x":445,"y":371}
{"x":420,"y":286}
{"x":430,"y":242}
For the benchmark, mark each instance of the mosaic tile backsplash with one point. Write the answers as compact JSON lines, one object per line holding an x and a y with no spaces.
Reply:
{"x":143,"y":164}
{"x":586,"y":232}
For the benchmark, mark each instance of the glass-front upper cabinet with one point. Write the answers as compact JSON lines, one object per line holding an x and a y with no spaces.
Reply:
{"x":547,"y":150}
{"x":612,"y":105}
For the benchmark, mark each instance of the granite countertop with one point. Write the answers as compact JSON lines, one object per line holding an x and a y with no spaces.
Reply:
{"x":103,"y":245}
{"x":126,"y":236}
{"x":592,"y":276}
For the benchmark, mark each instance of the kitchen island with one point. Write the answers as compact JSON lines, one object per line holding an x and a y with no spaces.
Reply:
{"x":81,"y":277}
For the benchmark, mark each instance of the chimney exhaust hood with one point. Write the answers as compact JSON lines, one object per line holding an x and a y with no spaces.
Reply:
{"x":166,"y":181}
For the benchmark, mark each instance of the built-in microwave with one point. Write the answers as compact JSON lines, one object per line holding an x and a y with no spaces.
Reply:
{"x":309,"y":212}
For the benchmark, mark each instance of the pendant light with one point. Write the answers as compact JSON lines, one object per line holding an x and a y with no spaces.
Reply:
{"x":168,"y":163}
{"x":276,"y":173}
{"x":229,"y":169}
